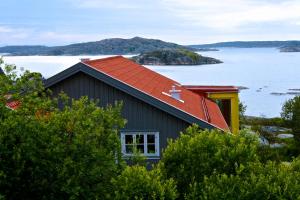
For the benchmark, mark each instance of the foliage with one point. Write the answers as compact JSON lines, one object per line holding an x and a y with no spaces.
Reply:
{"x":196,"y":154}
{"x":291,"y":113}
{"x":137,"y":158}
{"x":194,"y":56}
{"x":52,"y":153}
{"x":271,"y":137}
{"x":137,"y":183}
{"x":261,"y":121}
{"x":267,"y":153}
{"x":212,"y":165}
{"x":58,"y":148}
{"x":242,"y":110}
{"x":284,"y":153}
{"x":258,"y":181}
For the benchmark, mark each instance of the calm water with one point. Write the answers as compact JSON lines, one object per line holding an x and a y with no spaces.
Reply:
{"x":262,"y":70}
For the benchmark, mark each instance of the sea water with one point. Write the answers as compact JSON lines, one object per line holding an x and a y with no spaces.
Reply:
{"x":262,"y":70}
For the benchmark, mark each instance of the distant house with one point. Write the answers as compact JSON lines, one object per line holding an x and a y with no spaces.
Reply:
{"x":156,"y":107}
{"x":11,"y":104}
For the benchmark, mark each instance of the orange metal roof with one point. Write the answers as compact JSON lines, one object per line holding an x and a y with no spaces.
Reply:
{"x":157,"y":86}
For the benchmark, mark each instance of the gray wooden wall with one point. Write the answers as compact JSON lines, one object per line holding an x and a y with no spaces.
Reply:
{"x":140,"y":115}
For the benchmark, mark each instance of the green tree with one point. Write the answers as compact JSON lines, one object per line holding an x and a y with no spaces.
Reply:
{"x":137,"y":183}
{"x":52,"y":153}
{"x":242,"y":110}
{"x":197,"y":153}
{"x":291,"y":113}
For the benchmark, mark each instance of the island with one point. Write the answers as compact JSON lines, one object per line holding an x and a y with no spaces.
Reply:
{"x":290,"y":49}
{"x":173,"y":57}
{"x":249,"y":44}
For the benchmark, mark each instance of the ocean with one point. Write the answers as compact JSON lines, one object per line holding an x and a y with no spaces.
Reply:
{"x":268,"y":74}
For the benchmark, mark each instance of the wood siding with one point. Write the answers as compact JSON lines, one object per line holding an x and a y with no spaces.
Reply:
{"x":140,"y":115}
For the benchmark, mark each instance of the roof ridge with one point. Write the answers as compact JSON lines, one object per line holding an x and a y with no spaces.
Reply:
{"x":107,"y":58}
{"x":90,"y":64}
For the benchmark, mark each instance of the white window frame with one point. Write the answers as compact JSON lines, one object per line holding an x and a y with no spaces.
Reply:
{"x":144,"y":133}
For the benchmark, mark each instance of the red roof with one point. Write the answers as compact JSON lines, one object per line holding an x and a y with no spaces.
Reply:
{"x":13,"y":105}
{"x":158,"y":86}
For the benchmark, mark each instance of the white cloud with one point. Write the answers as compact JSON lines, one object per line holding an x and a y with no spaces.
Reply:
{"x":4,"y":29}
{"x":59,"y":38}
{"x":115,"y":4}
{"x":231,"y":14}
{"x":11,"y":35}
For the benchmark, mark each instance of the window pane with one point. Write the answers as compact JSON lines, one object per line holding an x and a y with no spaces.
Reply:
{"x":128,"y":139}
{"x":140,"y":148}
{"x":140,"y":139}
{"x":151,"y":139}
{"x":129,"y":149}
{"x":151,"y":148}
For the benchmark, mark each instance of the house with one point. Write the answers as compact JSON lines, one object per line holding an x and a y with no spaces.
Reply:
{"x":156,"y":107}
{"x":10,"y":104}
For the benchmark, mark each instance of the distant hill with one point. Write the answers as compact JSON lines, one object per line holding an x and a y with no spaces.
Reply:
{"x":173,"y":57}
{"x":24,"y":50}
{"x":113,"y":46}
{"x":249,"y":44}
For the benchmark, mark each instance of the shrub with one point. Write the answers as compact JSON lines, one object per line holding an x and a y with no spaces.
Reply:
{"x":137,"y":183}
{"x":51,"y":153}
{"x":291,"y":114}
{"x":258,"y":181}
{"x":196,"y":154}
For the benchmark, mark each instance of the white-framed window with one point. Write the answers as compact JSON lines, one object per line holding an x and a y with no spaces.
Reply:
{"x":146,"y":143}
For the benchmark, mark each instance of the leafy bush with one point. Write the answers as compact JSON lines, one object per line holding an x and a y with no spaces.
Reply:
{"x":196,"y":154}
{"x":137,"y":183}
{"x":51,"y":153}
{"x":291,"y":114}
{"x":262,"y":121}
{"x":242,"y":110}
{"x":258,"y":181}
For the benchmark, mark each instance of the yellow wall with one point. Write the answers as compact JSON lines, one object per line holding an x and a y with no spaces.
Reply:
{"x":234,"y":108}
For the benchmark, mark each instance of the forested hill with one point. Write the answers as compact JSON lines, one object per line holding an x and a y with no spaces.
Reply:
{"x":112,"y":46}
{"x":249,"y":44}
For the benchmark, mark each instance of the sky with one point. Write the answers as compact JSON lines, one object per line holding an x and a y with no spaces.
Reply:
{"x":60,"y":22}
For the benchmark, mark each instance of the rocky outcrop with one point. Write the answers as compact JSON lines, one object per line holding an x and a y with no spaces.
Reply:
{"x":173,"y":57}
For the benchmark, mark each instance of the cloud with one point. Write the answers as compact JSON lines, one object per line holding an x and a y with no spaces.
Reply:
{"x":4,"y":29}
{"x":59,"y":38}
{"x":11,"y":35}
{"x":116,"y":4}
{"x":231,"y":14}
{"x":181,"y":21}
